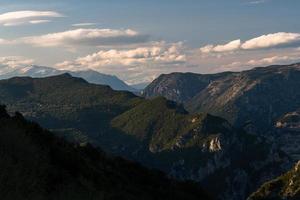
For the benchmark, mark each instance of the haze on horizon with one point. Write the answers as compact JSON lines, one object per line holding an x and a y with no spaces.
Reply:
{"x":138,"y":40}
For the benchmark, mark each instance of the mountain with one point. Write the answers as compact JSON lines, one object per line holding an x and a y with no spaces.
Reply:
{"x":37,"y":165}
{"x":179,"y":87}
{"x":285,"y":187}
{"x":157,"y":133}
{"x":140,"y":86}
{"x":103,"y":79}
{"x":89,"y":75}
{"x":259,"y":96}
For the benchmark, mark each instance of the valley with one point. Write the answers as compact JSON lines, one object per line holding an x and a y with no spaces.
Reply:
{"x":158,"y":133}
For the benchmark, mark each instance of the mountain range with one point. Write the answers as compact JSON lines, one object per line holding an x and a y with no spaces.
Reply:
{"x":159,"y":133}
{"x":89,"y":75}
{"x":36,"y":165}
{"x":255,"y":98}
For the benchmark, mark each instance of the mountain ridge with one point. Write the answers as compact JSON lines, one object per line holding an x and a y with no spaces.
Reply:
{"x":236,"y":96}
{"x":89,"y":75}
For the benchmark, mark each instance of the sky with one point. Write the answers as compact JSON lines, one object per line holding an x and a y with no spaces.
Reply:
{"x":137,"y":40}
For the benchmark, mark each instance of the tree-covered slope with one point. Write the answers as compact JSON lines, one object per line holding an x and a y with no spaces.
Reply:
{"x":36,"y":165}
{"x":285,"y":187}
{"x":165,"y":125}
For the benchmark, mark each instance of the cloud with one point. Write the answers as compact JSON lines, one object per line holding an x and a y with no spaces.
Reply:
{"x":3,"y":41}
{"x":274,"y":40}
{"x":26,"y":17}
{"x":11,"y":63}
{"x":14,"y":61}
{"x":231,"y":46}
{"x":265,"y":61}
{"x":39,"y":21}
{"x":86,"y":37}
{"x":133,"y":64}
{"x":274,"y":60}
{"x":257,"y":2}
{"x":84,"y":24}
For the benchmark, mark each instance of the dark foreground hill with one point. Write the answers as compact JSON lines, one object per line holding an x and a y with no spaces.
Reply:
{"x":157,"y":133}
{"x":35,"y":165}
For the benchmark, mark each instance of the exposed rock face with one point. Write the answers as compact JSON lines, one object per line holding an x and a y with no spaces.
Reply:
{"x":285,"y":187}
{"x":258,"y":96}
{"x":215,"y":145}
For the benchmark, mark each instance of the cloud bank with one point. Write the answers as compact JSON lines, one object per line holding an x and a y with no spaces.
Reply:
{"x":134,"y":63}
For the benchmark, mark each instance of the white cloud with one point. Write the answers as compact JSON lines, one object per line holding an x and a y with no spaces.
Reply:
{"x":275,"y":40}
{"x":272,"y":40}
{"x":231,"y":46}
{"x":86,"y":37}
{"x":133,"y":64}
{"x":26,"y":17}
{"x":39,"y":21}
{"x":84,"y":24}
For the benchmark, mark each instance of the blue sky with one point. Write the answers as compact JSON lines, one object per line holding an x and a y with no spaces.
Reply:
{"x":145,"y":38}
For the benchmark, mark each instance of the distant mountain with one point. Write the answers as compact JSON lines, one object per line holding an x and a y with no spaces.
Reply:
{"x":37,"y":165}
{"x":89,"y":75}
{"x":103,"y":79}
{"x":285,"y":187}
{"x":158,"y":133}
{"x":258,"y":96}
{"x":140,"y":86}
